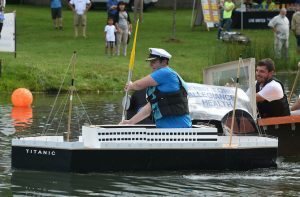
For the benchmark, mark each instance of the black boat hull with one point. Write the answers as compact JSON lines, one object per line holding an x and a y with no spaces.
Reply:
{"x":95,"y":160}
{"x":288,"y":138}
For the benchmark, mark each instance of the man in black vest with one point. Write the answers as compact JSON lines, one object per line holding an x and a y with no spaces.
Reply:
{"x":270,"y":97}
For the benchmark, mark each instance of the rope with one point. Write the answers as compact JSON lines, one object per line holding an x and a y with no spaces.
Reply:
{"x":47,"y":122}
{"x":88,"y":118}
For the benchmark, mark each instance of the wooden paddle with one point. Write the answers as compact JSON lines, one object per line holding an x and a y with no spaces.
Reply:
{"x":295,"y":82}
{"x":131,"y":65}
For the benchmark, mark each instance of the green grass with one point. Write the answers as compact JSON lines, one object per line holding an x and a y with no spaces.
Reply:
{"x":43,"y":53}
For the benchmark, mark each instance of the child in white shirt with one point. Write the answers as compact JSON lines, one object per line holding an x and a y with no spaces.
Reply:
{"x":110,"y":37}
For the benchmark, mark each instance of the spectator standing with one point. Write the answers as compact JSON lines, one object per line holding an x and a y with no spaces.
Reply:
{"x":1,"y":18}
{"x":56,"y":14}
{"x":296,"y":26}
{"x":112,"y":6}
{"x":226,"y":19}
{"x":123,"y":25}
{"x":268,"y":5}
{"x":138,"y":10}
{"x":80,"y":9}
{"x":110,"y":37}
{"x":280,"y":25}
{"x":221,"y":8}
{"x":248,"y":4}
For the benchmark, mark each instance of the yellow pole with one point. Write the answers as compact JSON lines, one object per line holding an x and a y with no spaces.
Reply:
{"x":130,"y":68}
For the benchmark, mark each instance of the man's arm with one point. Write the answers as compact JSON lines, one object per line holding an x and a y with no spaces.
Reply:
{"x":110,"y":5}
{"x":229,"y":8}
{"x":71,"y":6}
{"x":88,"y":6}
{"x":272,"y":91}
{"x":141,"y":84}
{"x":141,"y":115}
{"x":296,"y":105}
{"x":271,"y":24}
{"x":259,"y":98}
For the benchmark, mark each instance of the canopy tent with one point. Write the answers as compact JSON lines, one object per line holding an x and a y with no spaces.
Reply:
{"x":2,"y":3}
{"x":205,"y":11}
{"x":197,"y":18}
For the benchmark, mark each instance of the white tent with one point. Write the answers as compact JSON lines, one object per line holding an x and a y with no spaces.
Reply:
{"x":3,"y":3}
{"x":197,"y":18}
{"x":8,"y":34}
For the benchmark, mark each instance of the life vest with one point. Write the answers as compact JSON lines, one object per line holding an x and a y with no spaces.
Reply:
{"x":168,"y":104}
{"x":274,"y":108}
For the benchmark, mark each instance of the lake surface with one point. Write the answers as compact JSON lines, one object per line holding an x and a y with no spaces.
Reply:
{"x":105,"y":108}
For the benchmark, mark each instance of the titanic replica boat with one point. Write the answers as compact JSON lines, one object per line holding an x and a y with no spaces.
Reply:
{"x":101,"y":148}
{"x":286,"y":129}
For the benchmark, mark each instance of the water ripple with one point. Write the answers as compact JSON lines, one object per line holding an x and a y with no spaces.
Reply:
{"x":283,"y":181}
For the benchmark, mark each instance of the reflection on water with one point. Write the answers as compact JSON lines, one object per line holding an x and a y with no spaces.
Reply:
{"x":255,"y":183}
{"x":21,"y":117}
{"x":106,"y":109}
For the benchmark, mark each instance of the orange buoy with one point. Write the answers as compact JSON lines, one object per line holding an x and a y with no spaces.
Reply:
{"x":21,"y":97}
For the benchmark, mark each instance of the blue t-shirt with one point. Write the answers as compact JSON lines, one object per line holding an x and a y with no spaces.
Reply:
{"x":167,"y":81}
{"x":55,"y":4}
{"x":111,"y":3}
{"x":1,"y":17}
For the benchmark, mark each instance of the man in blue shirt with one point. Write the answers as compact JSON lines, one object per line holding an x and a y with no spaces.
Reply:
{"x":56,"y":14}
{"x":112,"y":6}
{"x":167,"y":94}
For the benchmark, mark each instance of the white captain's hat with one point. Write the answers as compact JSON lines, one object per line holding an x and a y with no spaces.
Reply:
{"x":158,"y":53}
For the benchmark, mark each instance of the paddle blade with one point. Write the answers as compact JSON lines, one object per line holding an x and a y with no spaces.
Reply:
{"x":126,"y":102}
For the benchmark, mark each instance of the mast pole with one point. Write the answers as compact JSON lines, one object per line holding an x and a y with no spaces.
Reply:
{"x":72,"y":88}
{"x":235,"y":99}
{"x":294,"y":84}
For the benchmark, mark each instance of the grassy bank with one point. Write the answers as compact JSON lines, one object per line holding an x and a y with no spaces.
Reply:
{"x":44,"y":53}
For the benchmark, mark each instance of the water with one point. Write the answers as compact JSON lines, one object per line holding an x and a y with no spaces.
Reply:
{"x":106,"y":109}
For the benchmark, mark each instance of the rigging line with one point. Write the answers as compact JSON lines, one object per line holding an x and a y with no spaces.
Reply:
{"x":71,"y":61}
{"x":51,"y":122}
{"x":62,"y":113}
{"x":77,"y":116}
{"x":261,"y":129}
{"x":87,"y":115}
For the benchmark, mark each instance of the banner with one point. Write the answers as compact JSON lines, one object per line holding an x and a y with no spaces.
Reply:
{"x":210,"y":12}
{"x":210,"y":102}
{"x":8,"y":33}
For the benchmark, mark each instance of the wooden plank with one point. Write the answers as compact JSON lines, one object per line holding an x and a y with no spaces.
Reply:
{"x":278,"y":120}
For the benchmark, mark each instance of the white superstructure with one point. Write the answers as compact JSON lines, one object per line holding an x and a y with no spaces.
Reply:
{"x":99,"y":137}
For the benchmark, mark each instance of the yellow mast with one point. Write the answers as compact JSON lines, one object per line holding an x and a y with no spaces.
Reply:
{"x":131,"y":65}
